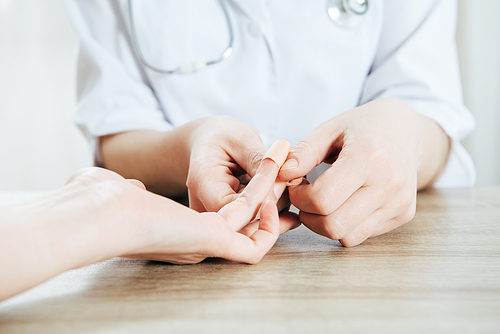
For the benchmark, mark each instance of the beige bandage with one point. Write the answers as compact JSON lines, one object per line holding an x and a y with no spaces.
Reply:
{"x":295,"y":182}
{"x":278,"y":152}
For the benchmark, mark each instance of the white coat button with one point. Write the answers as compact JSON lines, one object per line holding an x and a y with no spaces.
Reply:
{"x":257,"y":28}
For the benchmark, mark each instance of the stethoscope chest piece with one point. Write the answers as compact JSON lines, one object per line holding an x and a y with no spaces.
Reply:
{"x":348,"y":13}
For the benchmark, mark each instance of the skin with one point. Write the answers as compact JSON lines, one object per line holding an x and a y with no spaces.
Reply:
{"x":382,"y":153}
{"x":99,"y":215}
{"x":206,"y":146}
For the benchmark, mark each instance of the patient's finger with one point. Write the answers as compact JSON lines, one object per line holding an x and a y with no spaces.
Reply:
{"x":245,"y":207}
{"x":250,"y":228}
{"x":252,"y":249}
{"x":288,"y":221}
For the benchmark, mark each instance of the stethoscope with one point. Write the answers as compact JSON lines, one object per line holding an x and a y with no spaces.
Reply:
{"x":345,"y":13}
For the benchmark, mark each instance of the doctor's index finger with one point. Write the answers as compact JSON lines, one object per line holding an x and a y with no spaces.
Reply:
{"x":246,"y":205}
{"x":311,"y":151}
{"x":246,"y":153}
{"x":211,"y":187}
{"x":213,"y":174}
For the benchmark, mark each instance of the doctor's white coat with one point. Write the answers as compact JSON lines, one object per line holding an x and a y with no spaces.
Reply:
{"x":292,"y":67}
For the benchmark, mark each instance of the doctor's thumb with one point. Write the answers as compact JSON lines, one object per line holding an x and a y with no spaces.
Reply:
{"x":300,"y":161}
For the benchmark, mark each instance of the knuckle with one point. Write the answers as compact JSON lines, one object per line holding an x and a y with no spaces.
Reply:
{"x":222,"y":125}
{"x":306,"y":146}
{"x":230,"y":123}
{"x":396,"y":181}
{"x":221,"y":119}
{"x":303,"y":145}
{"x":254,"y":259}
{"x":322,"y":204}
{"x":350,"y":241}
{"x":254,"y":158}
{"x":192,"y":180}
{"x":408,"y":215}
{"x":189,"y":182}
{"x":409,"y":199}
{"x":245,"y":201}
{"x":371,"y":148}
{"x":226,"y":118}
{"x":334,"y":229}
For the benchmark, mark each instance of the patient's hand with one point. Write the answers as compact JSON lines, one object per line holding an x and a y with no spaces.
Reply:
{"x":99,"y":215}
{"x":177,"y":234}
{"x":161,"y":229}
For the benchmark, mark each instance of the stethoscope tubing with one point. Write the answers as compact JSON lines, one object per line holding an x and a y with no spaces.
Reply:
{"x":182,"y":68}
{"x":341,"y":12}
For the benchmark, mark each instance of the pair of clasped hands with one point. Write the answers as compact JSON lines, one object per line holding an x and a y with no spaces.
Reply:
{"x":380,"y":154}
{"x":369,"y":189}
{"x":376,"y":150}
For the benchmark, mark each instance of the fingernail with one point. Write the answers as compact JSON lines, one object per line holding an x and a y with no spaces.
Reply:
{"x":290,"y":164}
{"x":278,"y":189}
{"x":295,"y":182}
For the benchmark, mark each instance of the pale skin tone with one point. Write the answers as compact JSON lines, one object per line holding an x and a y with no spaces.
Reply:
{"x":212,"y":155}
{"x":382,"y":153}
{"x":99,"y":215}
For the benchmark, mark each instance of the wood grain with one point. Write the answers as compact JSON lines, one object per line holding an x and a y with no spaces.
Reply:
{"x":439,"y":273}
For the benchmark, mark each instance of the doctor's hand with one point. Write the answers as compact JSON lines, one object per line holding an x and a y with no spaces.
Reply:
{"x":381,"y":153}
{"x":225,"y":155}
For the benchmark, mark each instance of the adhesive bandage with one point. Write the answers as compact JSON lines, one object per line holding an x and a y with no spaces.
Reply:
{"x":295,"y":182}
{"x":278,"y":152}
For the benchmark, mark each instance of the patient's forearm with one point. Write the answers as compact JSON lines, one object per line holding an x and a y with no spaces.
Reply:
{"x":58,"y":232}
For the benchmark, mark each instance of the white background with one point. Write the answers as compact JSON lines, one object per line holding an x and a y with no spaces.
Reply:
{"x":40,"y":147}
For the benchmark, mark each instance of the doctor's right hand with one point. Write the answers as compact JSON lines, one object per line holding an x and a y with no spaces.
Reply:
{"x":225,"y":155}
{"x":215,"y":157}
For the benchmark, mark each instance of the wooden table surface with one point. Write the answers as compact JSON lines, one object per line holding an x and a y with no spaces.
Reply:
{"x":439,"y":273}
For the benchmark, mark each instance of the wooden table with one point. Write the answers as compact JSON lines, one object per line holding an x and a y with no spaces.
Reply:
{"x":439,"y":273}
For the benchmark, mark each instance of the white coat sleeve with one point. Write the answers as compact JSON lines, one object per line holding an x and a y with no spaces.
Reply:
{"x":417,"y":62}
{"x":113,"y":92}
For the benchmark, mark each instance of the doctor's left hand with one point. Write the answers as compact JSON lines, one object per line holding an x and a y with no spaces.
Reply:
{"x":381,"y":153}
